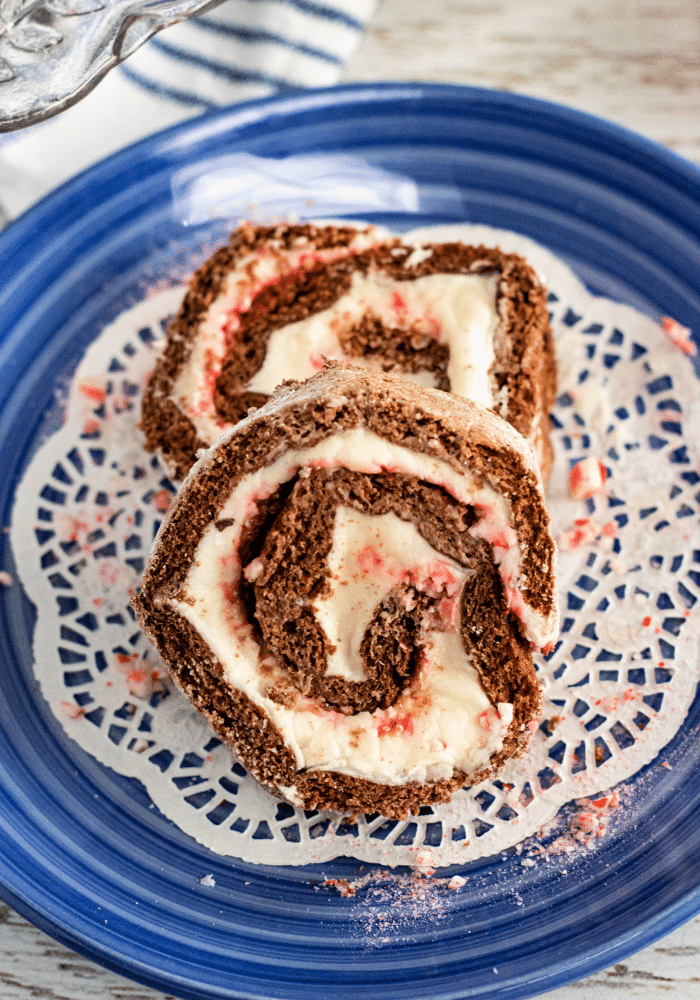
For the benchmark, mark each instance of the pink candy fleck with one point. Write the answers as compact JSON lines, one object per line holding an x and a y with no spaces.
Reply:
{"x":438,"y":576}
{"x":678,"y":335}
{"x":71,"y":710}
{"x":139,"y":680}
{"x":369,"y":560}
{"x":398,"y":303}
{"x":70,"y":527}
{"x":93,"y":389}
{"x":390,"y":724}
{"x":161,"y":500}
{"x":139,"y":683}
{"x":585,"y":532}
{"x":448,"y":613}
{"x":486,"y":722}
{"x":317,"y":361}
{"x":493,"y":722}
{"x":587,"y":478}
{"x":91,"y":425}
{"x":500,"y":539}
{"x":110,"y":573}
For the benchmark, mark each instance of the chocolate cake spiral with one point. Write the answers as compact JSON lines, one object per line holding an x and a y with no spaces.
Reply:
{"x":349,"y":587}
{"x":277,"y":302}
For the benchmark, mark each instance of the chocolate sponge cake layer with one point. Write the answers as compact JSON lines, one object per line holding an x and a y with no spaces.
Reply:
{"x":349,"y":586}
{"x":277,"y":302}
{"x":292,"y":569}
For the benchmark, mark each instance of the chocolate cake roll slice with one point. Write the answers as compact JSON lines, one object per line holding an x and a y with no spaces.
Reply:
{"x":349,"y":587}
{"x":278,"y":303}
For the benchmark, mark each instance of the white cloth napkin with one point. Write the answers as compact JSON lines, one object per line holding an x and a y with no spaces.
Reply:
{"x":240,"y":50}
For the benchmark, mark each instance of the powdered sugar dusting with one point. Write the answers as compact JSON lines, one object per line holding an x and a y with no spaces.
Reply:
{"x":387,"y":905}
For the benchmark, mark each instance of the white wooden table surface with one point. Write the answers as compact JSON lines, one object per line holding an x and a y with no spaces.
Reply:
{"x":634,"y":62}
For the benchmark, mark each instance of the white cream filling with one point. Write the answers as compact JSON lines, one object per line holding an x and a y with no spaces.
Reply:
{"x":377,"y":745}
{"x":370,"y":556}
{"x":193,"y":390}
{"x":458,"y":310}
{"x":442,"y":721}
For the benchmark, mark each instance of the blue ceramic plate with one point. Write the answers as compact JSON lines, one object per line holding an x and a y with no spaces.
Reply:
{"x":82,"y":853}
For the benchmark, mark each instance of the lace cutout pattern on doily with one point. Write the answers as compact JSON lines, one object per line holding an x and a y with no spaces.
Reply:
{"x":617,"y":686}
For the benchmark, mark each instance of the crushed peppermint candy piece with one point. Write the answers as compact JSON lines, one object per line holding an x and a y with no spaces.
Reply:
{"x":138,"y":683}
{"x":587,"y":478}
{"x":585,"y":532}
{"x":207,"y":880}
{"x":6,"y":579}
{"x":71,"y":710}
{"x":456,"y":882}
{"x":678,"y":335}
{"x":161,"y":500}
{"x":426,"y":862}
{"x":344,"y":887}
{"x":94,"y":389}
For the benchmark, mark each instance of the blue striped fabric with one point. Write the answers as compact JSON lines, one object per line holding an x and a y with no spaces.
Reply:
{"x":248,"y":48}
{"x":252,"y":35}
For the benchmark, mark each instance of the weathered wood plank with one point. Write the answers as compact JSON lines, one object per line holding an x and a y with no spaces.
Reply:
{"x":32,"y":965}
{"x":633,"y":62}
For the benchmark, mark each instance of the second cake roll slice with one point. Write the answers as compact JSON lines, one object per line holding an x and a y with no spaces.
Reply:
{"x":278,"y":303}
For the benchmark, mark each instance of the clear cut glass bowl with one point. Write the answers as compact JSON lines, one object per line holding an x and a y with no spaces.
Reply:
{"x":53,"y":52}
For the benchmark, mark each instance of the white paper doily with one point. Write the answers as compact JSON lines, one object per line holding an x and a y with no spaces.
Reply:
{"x":617,"y":687}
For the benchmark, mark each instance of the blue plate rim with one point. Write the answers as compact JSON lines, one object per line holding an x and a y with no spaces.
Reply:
{"x":247,"y":112}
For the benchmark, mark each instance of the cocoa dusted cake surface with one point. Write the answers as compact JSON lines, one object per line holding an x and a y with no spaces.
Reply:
{"x":349,"y":587}
{"x":276,"y":302}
